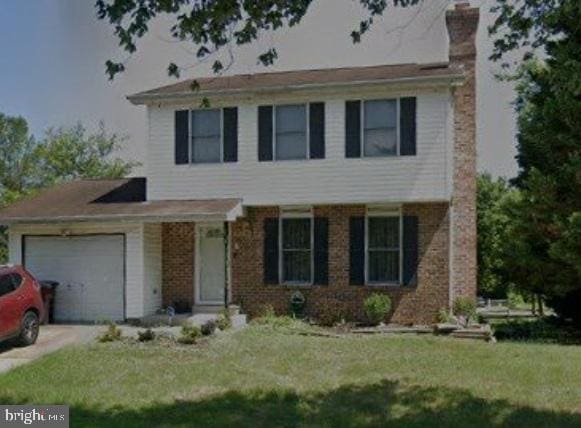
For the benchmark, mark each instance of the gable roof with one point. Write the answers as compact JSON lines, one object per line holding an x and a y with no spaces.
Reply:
{"x":115,"y":199}
{"x":302,"y":79}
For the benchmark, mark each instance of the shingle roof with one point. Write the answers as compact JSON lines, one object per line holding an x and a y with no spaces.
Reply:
{"x":301,"y":79}
{"x":85,"y":200}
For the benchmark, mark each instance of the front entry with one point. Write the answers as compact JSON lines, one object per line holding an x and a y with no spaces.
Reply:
{"x":210,"y":264}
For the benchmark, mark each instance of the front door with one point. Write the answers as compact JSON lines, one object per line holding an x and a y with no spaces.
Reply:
{"x":211,"y":270}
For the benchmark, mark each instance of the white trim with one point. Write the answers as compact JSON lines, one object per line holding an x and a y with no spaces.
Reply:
{"x":197,"y":264}
{"x":386,"y":211}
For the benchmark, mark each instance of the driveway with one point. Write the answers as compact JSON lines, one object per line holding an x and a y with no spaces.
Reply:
{"x":50,"y":339}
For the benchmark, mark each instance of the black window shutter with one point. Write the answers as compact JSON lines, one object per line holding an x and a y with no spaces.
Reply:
{"x":271,"y":250}
{"x":181,"y":137}
{"x":317,"y":130}
{"x":265,"y":133}
{"x":353,"y":129}
{"x":407,"y":123}
{"x":357,"y":250}
{"x":410,"y":250}
{"x":321,"y":251}
{"x":230,"y":134}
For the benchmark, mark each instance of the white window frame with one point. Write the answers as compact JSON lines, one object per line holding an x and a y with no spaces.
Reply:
{"x":190,"y":136}
{"x":388,"y":212}
{"x":295,"y":213}
{"x":307,"y":131}
{"x":397,"y":126}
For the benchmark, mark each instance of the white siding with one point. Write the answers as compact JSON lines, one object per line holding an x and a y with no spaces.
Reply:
{"x":151,"y":268}
{"x":134,"y":253}
{"x":334,"y":179}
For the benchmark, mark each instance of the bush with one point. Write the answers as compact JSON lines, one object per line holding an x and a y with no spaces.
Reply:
{"x":464,"y":307}
{"x":189,"y":334}
{"x":208,"y":328}
{"x":224,"y":321}
{"x":331,"y":313}
{"x":567,"y":306}
{"x":146,"y":335}
{"x":112,"y":334}
{"x":445,"y":317}
{"x":376,"y":307}
{"x":549,"y":330}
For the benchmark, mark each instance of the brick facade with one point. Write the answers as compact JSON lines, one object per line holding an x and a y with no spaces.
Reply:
{"x":177,"y":249}
{"x":411,"y":305}
{"x":462,"y":23}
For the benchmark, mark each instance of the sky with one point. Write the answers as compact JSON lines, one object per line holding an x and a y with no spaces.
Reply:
{"x":52,"y":56}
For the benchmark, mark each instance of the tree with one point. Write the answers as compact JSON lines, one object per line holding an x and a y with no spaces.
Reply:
{"x":27,"y":165}
{"x":492,"y":223}
{"x":212,"y":25}
{"x":543,"y":248}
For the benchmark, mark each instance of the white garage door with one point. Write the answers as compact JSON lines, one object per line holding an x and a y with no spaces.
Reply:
{"x":90,"y":270}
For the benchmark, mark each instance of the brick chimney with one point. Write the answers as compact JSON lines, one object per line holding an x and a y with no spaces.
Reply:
{"x":462,"y":24}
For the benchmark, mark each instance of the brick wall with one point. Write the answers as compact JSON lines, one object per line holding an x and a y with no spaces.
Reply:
{"x":178,"y":245}
{"x":411,"y":305}
{"x":462,"y":23}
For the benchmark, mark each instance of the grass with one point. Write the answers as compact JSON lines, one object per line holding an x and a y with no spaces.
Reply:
{"x":264,"y":376}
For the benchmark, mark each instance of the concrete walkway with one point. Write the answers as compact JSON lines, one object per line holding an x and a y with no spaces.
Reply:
{"x":50,"y":339}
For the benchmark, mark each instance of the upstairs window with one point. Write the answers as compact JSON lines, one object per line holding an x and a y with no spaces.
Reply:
{"x":206,"y":136}
{"x":380,"y":133}
{"x":291,"y":132}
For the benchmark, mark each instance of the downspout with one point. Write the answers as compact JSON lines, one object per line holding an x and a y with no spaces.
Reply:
{"x":226,"y":264}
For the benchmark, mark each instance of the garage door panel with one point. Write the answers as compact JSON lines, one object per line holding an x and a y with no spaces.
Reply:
{"x":90,"y":270}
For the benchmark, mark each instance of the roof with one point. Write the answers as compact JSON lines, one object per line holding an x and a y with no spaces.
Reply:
{"x":302,"y":79}
{"x":118,"y":199}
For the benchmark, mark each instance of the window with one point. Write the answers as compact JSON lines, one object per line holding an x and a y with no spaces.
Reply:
{"x":7,"y":284}
{"x":380,"y":131}
{"x":296,"y":238}
{"x":383,"y":249}
{"x":291,"y":132}
{"x":206,"y":136}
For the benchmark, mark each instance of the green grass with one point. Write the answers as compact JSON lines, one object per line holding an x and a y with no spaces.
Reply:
{"x":278,"y":377}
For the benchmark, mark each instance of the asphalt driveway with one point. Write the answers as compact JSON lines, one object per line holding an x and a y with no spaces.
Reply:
{"x":50,"y":339}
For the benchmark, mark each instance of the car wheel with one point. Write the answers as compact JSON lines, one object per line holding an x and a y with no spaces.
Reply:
{"x":29,"y":329}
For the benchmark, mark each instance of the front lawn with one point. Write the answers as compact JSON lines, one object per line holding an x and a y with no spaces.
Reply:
{"x":281,"y":378}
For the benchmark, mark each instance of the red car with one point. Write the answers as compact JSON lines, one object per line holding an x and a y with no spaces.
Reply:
{"x":21,"y":305}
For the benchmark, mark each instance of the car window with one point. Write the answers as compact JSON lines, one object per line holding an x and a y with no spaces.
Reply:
{"x":6,"y":284}
{"x":16,"y":280}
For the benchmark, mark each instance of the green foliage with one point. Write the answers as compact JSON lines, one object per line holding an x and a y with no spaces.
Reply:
{"x":189,"y":334}
{"x":547,"y":330}
{"x":146,"y":335}
{"x":112,"y":334}
{"x":27,"y":165}
{"x":224,"y":321}
{"x":464,"y":307}
{"x":214,"y":25}
{"x":492,"y":225}
{"x":376,"y":307}
{"x":444,"y":316}
{"x":515,"y":299}
{"x":208,"y":328}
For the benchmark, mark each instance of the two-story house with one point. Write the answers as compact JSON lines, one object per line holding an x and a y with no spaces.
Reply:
{"x":336,"y":182}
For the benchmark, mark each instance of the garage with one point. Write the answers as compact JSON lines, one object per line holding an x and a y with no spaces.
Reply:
{"x":90,"y":269}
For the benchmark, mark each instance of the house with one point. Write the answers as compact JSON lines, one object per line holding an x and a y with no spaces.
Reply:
{"x":337,"y":183}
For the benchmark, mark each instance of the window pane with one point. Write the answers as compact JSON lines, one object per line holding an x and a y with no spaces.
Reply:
{"x":291,"y":118}
{"x":206,"y":150}
{"x":380,"y":142}
{"x":291,"y":135}
{"x":291,"y":146}
{"x":383,"y":266}
{"x":296,"y":233}
{"x":297,"y":266}
{"x":380,"y":114}
{"x":383,"y":232}
{"x":205,"y":123}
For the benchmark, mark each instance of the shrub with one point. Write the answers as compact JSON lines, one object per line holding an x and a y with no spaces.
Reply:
{"x":332,"y":312}
{"x":464,"y":307}
{"x":376,"y":307}
{"x":444,"y":316}
{"x":549,"y":330}
{"x":189,"y":334}
{"x":112,"y":334}
{"x":208,"y":328}
{"x":146,"y":335}
{"x":224,"y":321}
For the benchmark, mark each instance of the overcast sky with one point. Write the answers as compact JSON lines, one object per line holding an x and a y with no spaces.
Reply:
{"x":52,"y":55}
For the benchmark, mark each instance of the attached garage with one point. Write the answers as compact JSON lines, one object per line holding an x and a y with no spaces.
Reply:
{"x":90,"y":270}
